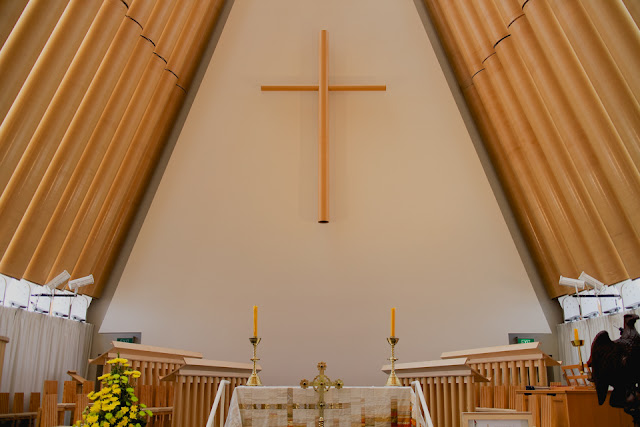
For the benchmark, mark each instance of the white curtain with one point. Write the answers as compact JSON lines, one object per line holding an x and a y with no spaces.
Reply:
{"x":41,"y":348}
{"x":587,"y":331}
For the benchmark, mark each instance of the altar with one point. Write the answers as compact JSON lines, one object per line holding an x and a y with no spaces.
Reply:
{"x":348,"y":406}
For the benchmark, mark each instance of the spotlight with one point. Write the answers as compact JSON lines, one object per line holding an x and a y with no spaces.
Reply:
{"x":58,"y":280}
{"x":566,"y":281}
{"x":78,"y":283}
{"x":592,"y":281}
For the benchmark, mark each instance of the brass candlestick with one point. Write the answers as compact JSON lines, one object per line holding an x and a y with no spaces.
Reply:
{"x":579,"y":343}
{"x":254,"y":379}
{"x":393,"y":379}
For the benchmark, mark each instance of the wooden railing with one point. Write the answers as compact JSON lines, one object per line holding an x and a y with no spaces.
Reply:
{"x":74,"y":400}
{"x":16,"y":413}
{"x":448,"y":387}
{"x":508,"y":368}
{"x":152,"y":362}
{"x":196,"y":384}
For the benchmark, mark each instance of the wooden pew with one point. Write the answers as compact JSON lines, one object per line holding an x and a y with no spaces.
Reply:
{"x":152,"y":362}
{"x":448,"y":387}
{"x":196,"y":384}
{"x":509,"y":368}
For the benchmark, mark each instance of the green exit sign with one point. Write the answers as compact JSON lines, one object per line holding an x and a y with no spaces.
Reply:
{"x":525,"y":340}
{"x":130,"y":339}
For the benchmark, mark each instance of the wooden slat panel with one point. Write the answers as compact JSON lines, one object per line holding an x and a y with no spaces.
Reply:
{"x":24,"y":158}
{"x":607,"y":169}
{"x":178,"y":403}
{"x":446,"y":400}
{"x":91,"y":110}
{"x":18,"y":403}
{"x":431,"y":395}
{"x":4,"y":403}
{"x":187,"y":64}
{"x":69,"y":392}
{"x":49,"y":417}
{"x":454,"y":403}
{"x":23,"y":46}
{"x":531,"y":369}
{"x":10,"y":11}
{"x":49,"y":152}
{"x":82,"y":401}
{"x":542,"y":373}
{"x":34,"y":402}
{"x":110,"y":227}
{"x":471,"y":397}
{"x":79,"y":181}
{"x":597,"y":59}
{"x":440,"y":401}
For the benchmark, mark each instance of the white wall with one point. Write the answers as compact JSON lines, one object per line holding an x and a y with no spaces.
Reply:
{"x":414,"y":222}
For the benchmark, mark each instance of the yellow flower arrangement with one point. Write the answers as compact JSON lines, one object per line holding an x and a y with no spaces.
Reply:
{"x":116,"y":404}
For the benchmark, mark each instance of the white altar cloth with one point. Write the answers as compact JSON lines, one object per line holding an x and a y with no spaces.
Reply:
{"x":349,"y":406}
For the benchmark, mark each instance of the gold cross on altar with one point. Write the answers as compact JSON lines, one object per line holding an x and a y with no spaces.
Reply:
{"x":321,"y":383}
{"x":323,"y":89}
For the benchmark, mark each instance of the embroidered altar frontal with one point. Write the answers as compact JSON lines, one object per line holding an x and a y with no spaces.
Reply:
{"x":297,"y":407}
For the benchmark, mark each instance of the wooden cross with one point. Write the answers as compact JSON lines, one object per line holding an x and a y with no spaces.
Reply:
{"x":321,"y":383}
{"x":323,"y":89}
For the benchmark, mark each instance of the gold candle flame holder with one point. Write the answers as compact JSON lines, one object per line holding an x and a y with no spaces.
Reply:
{"x":254,"y":379}
{"x":578,"y":344}
{"x":393,"y":379}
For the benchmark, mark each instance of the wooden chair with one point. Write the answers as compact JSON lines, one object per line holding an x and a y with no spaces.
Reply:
{"x":574,"y":377}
